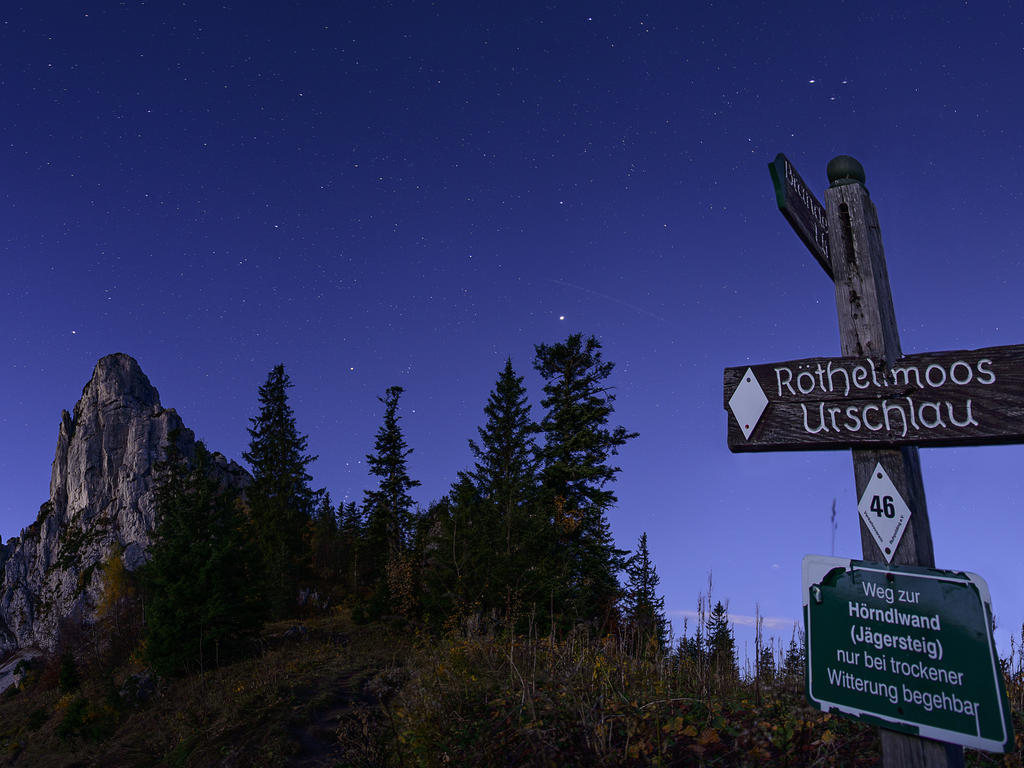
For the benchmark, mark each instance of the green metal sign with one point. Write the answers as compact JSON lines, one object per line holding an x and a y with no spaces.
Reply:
{"x":906,"y":648}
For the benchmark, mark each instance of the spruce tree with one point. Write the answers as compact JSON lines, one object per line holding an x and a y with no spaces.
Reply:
{"x":505,"y":468}
{"x":794,"y":663}
{"x":462,"y":548}
{"x":326,"y":549}
{"x":350,"y":531}
{"x":201,"y":604}
{"x":721,"y":645}
{"x":446,"y":590}
{"x":280,"y":498}
{"x":485,"y":533}
{"x":576,"y":469}
{"x":691,"y":647}
{"x":644,"y":609}
{"x":389,"y":511}
{"x":766,"y":665}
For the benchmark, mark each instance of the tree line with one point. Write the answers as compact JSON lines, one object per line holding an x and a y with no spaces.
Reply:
{"x":521,"y":538}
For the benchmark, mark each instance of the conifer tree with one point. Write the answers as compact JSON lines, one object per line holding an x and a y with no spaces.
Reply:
{"x":462,"y":548}
{"x":691,"y":647}
{"x":280,"y":498}
{"x":505,"y":468}
{"x":485,"y":530}
{"x":794,"y":663}
{"x":575,"y":471}
{"x":644,"y":609}
{"x":201,"y":606}
{"x":326,"y":547}
{"x":350,"y":532}
{"x":721,"y":645}
{"x":389,"y":510}
{"x":766,"y":665}
{"x":446,"y":590}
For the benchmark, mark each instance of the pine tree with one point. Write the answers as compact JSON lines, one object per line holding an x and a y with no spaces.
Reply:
{"x":721,"y":645}
{"x":462,"y":549}
{"x":280,"y":498}
{"x":441,"y":559}
{"x":794,"y":664}
{"x":326,"y":548}
{"x":484,"y":558}
{"x":690,"y":648}
{"x":644,"y":609}
{"x":201,"y":605}
{"x":766,"y":665}
{"x":350,"y":532}
{"x":389,"y":510}
{"x":505,"y":468}
{"x":575,"y":471}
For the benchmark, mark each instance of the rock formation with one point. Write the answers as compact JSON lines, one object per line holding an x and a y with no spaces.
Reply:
{"x":101,"y":505}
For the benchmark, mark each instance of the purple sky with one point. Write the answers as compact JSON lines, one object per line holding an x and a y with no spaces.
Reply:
{"x":407,"y":193}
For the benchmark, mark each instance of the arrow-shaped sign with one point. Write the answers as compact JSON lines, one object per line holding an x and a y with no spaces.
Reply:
{"x":802,"y":210}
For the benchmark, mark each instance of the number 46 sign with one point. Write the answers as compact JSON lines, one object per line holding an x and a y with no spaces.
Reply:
{"x":884,"y":511}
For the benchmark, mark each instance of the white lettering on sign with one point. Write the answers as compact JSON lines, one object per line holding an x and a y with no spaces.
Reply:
{"x":894,"y":616}
{"x":898,"y":414}
{"x":888,"y":643}
{"x":862,"y":633}
{"x":889,"y":415}
{"x":815,"y":208}
{"x":832,"y":378}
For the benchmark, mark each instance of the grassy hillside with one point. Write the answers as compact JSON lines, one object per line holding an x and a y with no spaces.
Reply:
{"x":330,"y":692}
{"x":299,"y":701}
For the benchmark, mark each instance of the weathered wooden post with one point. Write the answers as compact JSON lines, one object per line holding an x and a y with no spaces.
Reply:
{"x":890,"y":639}
{"x":867,"y":329}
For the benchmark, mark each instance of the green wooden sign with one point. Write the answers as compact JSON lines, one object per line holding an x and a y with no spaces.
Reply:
{"x":801,"y":209}
{"x":906,"y":648}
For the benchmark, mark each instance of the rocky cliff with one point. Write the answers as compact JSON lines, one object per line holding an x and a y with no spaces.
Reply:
{"x":101,"y":504}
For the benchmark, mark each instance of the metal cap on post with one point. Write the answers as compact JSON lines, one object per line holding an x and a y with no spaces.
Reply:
{"x":844,"y":169}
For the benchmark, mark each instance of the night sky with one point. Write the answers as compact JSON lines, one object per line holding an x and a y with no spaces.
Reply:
{"x":408,"y":193}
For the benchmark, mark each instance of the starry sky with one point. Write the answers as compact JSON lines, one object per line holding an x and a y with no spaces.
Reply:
{"x":409,"y":193}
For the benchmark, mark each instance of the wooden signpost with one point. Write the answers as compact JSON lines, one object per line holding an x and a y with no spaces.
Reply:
{"x":880,"y":404}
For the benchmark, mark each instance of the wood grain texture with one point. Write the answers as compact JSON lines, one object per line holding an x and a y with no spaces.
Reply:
{"x":867,"y":329}
{"x":961,"y":397}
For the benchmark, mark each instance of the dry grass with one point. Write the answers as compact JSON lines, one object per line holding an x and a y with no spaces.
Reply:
{"x":478,"y":699}
{"x":379,"y":696}
{"x":284,"y":706}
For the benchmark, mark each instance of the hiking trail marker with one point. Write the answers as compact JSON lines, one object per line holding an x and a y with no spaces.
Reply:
{"x":933,"y":682}
{"x":883,"y":510}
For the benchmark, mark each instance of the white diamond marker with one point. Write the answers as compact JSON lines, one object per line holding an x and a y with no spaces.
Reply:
{"x":748,"y":403}
{"x":884,"y":512}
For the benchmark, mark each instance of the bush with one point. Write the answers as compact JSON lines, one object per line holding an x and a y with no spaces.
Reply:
{"x":585,"y":700}
{"x":68,"y":679}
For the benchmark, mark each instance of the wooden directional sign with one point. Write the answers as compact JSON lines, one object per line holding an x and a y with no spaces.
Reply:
{"x":904,"y":647}
{"x":802,"y":210}
{"x":941,"y":398}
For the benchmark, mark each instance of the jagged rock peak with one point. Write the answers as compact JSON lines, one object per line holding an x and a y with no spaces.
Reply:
{"x":119,"y":377}
{"x":108,"y":448}
{"x":101,"y":505}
